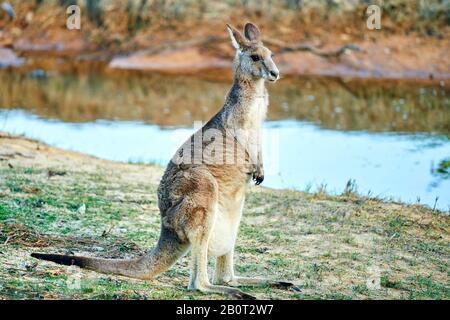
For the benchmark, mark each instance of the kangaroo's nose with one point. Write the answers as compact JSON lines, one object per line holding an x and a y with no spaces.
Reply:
{"x":274,"y":74}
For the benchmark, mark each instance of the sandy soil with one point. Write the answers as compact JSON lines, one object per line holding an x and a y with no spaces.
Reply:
{"x":31,"y":153}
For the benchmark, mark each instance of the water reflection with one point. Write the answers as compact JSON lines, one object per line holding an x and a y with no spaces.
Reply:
{"x":392,"y":138}
{"x":298,"y":154}
{"x":97,"y":93}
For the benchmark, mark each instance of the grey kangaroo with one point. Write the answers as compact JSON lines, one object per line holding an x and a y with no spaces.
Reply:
{"x":201,"y":203}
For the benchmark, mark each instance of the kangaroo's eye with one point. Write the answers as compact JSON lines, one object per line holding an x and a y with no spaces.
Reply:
{"x":255,"y":57}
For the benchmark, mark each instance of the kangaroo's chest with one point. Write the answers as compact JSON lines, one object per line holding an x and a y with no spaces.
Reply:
{"x":257,"y":110}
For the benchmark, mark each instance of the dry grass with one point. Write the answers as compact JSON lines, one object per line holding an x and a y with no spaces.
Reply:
{"x":335,"y":247}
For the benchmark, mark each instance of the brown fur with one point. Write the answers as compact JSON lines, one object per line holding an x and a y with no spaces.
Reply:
{"x":201,"y":203}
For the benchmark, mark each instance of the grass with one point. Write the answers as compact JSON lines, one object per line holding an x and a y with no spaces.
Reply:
{"x":332,"y":245}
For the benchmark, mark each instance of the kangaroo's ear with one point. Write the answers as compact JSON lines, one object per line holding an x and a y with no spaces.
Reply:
{"x":237,"y":39}
{"x":251,"y":32}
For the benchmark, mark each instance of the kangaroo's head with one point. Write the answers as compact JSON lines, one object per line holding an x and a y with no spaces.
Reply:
{"x":253,"y":59}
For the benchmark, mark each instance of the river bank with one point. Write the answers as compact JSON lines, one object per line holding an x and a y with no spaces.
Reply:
{"x":189,"y":38}
{"x":344,"y":247}
{"x":396,"y":57}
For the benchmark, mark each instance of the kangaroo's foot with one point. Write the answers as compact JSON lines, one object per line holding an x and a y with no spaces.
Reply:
{"x":228,"y":291}
{"x":224,"y":275}
{"x":279,"y":284}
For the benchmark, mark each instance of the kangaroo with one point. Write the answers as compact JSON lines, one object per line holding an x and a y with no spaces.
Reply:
{"x":201,"y":200}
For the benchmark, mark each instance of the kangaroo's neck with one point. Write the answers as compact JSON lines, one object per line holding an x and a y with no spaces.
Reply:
{"x":246,"y":103}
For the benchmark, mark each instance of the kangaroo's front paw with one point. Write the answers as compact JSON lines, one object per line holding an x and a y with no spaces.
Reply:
{"x":258,"y":176}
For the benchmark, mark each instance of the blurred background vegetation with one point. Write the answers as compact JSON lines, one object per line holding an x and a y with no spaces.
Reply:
{"x":112,"y":20}
{"x":408,"y":14}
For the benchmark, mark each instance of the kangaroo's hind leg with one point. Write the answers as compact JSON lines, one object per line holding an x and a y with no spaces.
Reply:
{"x":199,"y":239}
{"x":196,"y":216}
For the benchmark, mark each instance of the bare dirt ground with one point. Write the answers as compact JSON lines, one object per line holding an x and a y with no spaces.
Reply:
{"x":340,"y":247}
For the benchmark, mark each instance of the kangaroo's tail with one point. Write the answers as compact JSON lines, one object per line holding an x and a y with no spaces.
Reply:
{"x":161,"y":258}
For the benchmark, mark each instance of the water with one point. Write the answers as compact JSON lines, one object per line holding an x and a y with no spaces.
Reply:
{"x":390,"y":139}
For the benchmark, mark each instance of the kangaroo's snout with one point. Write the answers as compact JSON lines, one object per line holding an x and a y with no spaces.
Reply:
{"x":275,"y":75}
{"x":272,"y":72}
